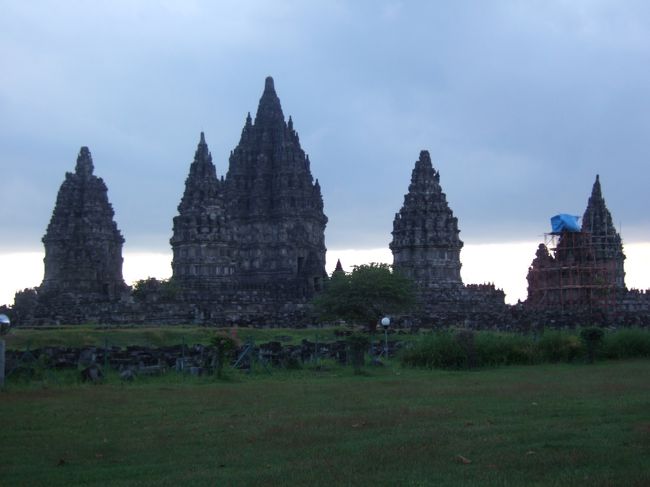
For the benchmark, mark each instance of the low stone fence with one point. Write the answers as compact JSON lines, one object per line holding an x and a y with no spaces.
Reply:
{"x":195,"y":359}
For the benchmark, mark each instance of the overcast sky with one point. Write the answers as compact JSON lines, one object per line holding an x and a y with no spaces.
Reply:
{"x":520,"y":104}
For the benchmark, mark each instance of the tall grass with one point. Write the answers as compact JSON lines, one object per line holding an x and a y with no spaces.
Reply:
{"x":467,"y":349}
{"x":626,"y":343}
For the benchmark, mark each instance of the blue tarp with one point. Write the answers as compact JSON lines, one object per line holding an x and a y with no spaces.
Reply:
{"x":565,"y":223}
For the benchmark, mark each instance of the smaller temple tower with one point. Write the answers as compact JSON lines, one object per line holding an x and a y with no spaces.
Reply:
{"x":606,"y":242}
{"x":83,"y":246}
{"x":426,"y":246}
{"x":201,"y":238}
{"x":582,"y":271}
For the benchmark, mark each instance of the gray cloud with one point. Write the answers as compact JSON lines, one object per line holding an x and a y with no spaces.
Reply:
{"x":519,"y":103}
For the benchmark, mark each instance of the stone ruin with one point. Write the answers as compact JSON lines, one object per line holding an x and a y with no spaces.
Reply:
{"x":249,"y":249}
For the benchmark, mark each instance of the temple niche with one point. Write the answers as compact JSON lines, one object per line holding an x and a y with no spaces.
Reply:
{"x":83,"y":246}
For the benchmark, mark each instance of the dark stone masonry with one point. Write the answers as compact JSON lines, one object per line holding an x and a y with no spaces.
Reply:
{"x":249,"y":249}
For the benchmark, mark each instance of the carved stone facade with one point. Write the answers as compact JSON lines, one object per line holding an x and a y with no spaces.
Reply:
{"x":426,"y":246}
{"x":83,"y":247}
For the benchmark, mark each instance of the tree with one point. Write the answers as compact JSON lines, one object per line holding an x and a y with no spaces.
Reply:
{"x":366,"y":294}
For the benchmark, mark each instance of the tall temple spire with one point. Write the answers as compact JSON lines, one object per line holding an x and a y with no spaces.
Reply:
{"x":83,"y":246}
{"x":202,"y":184}
{"x":607,"y":243}
{"x":200,"y":242}
{"x":425,"y":245}
{"x":275,"y":206}
{"x":597,"y":219}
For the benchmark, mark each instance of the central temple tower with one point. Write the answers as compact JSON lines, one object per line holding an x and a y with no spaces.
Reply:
{"x":275,"y":208}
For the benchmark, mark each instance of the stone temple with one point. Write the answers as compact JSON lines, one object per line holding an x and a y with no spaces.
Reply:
{"x":274,"y":206}
{"x":83,"y":251}
{"x":251,"y":245}
{"x":426,"y":248}
{"x":83,"y":247}
{"x":249,"y":248}
{"x":583,"y":270}
{"x":202,"y":240}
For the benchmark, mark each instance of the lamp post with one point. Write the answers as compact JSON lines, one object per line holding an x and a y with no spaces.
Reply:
{"x":385,"y":323}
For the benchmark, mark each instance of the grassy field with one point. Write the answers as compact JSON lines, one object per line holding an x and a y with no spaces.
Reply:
{"x":557,"y":425}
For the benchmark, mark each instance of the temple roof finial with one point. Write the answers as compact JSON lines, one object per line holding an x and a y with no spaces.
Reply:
{"x":596,"y":191}
{"x":268,"y":84}
{"x":269,"y":112}
{"x":84,"y":165}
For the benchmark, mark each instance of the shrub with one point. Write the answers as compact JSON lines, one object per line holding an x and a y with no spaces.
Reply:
{"x":500,"y":349}
{"x":627,"y":343}
{"x":224,"y":348}
{"x":441,"y":350}
{"x":555,"y":346}
{"x":593,"y":338}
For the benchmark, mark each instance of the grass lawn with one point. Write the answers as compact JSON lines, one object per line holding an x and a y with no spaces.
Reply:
{"x":556,"y":425}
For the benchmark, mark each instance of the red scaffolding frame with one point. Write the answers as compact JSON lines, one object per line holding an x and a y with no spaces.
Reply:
{"x":575,"y":278}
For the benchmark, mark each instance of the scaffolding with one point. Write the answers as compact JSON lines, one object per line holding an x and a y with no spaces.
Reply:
{"x":576,"y":276}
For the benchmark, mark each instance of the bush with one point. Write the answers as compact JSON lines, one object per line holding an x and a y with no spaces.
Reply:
{"x":224,"y":348}
{"x":555,"y":346}
{"x":626,"y":343}
{"x":500,"y":349}
{"x":593,"y":338}
{"x":441,"y":350}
